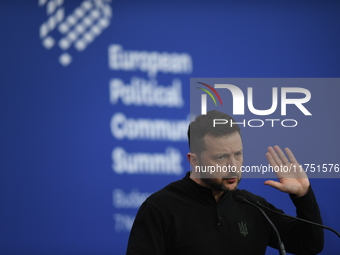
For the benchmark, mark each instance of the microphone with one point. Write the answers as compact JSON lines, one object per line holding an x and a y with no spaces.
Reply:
{"x":281,"y":247}
{"x":292,"y":217}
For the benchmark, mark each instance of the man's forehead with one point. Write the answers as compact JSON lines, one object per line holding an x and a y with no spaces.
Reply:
{"x":227,"y":136}
{"x":231,"y":141}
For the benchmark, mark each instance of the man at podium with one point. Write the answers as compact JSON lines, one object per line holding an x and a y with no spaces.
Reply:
{"x":202,"y":213}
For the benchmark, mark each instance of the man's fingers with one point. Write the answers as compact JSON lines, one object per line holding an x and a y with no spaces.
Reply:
{"x":274,"y":184}
{"x":281,"y":154}
{"x":275,"y":157}
{"x":290,"y":155}
{"x":270,"y":159}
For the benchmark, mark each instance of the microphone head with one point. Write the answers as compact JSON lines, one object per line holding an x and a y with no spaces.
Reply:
{"x":254,"y":201}
{"x":240,"y":199}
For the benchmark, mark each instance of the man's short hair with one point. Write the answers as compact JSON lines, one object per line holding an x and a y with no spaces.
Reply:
{"x":203,"y":124}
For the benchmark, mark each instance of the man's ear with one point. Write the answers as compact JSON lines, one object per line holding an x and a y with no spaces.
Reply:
{"x":193,"y":159}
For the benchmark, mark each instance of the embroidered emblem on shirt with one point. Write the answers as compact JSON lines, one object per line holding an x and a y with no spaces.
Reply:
{"x":243,"y":228}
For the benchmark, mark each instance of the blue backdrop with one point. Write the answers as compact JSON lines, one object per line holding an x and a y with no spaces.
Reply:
{"x":95,"y":105}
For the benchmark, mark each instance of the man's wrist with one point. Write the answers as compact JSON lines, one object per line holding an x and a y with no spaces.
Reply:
{"x":301,"y":193}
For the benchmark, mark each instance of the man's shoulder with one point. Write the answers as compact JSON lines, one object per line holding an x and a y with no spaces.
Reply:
{"x":255,"y":198}
{"x":170,"y":192}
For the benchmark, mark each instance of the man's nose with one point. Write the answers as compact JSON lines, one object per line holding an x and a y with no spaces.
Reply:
{"x":232,"y":166}
{"x":232,"y":161}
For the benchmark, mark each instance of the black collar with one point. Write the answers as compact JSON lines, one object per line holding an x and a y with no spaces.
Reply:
{"x":200,"y":190}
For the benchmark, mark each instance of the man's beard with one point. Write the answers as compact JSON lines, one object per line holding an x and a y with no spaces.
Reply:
{"x":214,"y":185}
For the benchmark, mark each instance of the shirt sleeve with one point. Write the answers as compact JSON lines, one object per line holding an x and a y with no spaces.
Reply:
{"x":147,"y":233}
{"x":299,"y":237}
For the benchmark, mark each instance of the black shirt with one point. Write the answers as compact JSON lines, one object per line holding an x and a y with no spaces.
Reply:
{"x":184,"y":218}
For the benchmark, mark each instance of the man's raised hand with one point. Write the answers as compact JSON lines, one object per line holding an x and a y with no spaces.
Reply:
{"x":292,"y":178}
